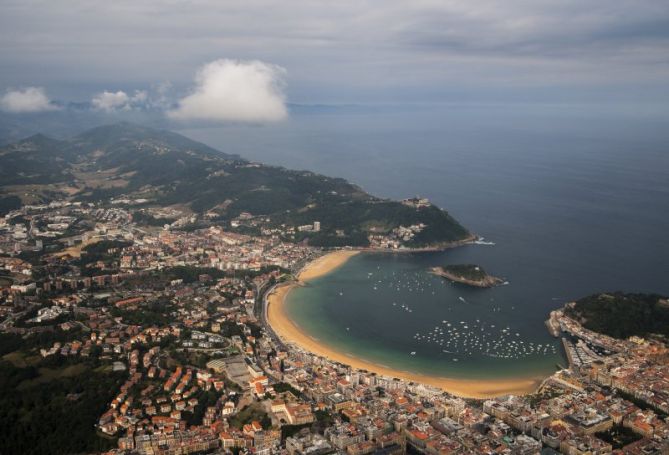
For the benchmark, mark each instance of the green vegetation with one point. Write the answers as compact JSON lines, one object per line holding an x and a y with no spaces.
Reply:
{"x":176,"y":170}
{"x":12,"y":342}
{"x":141,"y":217}
{"x":190,"y":274}
{"x":623,"y":315}
{"x":288,"y":431}
{"x":33,"y":257}
{"x":56,"y":409}
{"x":468,"y":274}
{"x":5,"y":281}
{"x":641,"y":404}
{"x":105,"y":251}
{"x":323,"y":420}
{"x":150,"y":314}
{"x":468,"y":271}
{"x":187,"y":357}
{"x":205,"y":399}
{"x":9,"y":203}
{"x":250,"y":413}
{"x":230,"y":328}
{"x":548,"y":393}
{"x":51,"y":374}
{"x":282,"y":387}
{"x":21,"y":359}
{"x":101,"y":248}
{"x":35,"y":160}
{"x":618,"y":436}
{"x":363,"y":215}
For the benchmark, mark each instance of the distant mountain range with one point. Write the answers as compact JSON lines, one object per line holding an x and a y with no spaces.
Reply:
{"x":71,"y":118}
{"x":166,"y":168}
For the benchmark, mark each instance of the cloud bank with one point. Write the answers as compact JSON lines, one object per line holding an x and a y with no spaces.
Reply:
{"x":350,"y":51}
{"x":235,"y":91}
{"x":29,"y":99}
{"x":120,"y":100}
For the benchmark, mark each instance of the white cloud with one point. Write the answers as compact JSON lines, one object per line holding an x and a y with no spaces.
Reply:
{"x":119,"y":101}
{"x":235,"y":91}
{"x":110,"y":101}
{"x":29,"y":99}
{"x":140,"y":97}
{"x":350,"y":51}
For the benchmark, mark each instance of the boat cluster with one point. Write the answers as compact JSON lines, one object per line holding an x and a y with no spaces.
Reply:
{"x":479,"y":338}
{"x":459,"y":339}
{"x":415,"y":282}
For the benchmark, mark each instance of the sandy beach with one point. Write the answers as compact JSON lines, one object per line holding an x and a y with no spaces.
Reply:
{"x":291,"y":333}
{"x":325,"y":264}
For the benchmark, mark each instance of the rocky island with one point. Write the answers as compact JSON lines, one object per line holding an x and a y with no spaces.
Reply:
{"x":469,"y":274}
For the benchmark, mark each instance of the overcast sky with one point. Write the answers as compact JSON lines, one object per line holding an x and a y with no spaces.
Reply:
{"x":343,"y":51}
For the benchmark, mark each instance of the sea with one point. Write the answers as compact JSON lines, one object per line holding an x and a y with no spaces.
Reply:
{"x":570,"y":200}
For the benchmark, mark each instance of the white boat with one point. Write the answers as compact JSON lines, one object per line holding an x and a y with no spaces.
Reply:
{"x":482,"y":241}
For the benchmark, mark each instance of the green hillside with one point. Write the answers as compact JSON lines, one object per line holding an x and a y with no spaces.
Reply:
{"x":623,"y":315}
{"x":169,"y":169}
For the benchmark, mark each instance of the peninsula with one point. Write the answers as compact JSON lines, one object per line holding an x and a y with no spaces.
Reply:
{"x":621,"y":315}
{"x":469,"y":274}
{"x":163,"y":178}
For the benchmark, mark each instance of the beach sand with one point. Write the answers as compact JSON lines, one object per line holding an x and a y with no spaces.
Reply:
{"x":325,"y":264}
{"x":291,"y":333}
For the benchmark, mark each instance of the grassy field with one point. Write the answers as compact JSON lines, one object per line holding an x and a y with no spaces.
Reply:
{"x":247,"y":415}
{"x":20,"y":360}
{"x":50,"y":374}
{"x":103,"y":369}
{"x":75,"y":251}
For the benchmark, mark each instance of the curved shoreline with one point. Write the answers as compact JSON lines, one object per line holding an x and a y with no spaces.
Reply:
{"x":325,"y":264}
{"x":291,"y":333}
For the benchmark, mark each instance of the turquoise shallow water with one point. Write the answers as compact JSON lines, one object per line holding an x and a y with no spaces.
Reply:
{"x":388,"y":309}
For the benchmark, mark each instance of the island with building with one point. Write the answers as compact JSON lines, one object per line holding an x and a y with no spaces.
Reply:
{"x":468,"y":274}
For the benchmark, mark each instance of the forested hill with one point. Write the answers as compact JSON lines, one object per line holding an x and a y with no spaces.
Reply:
{"x":165,"y":168}
{"x":622,"y":315}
